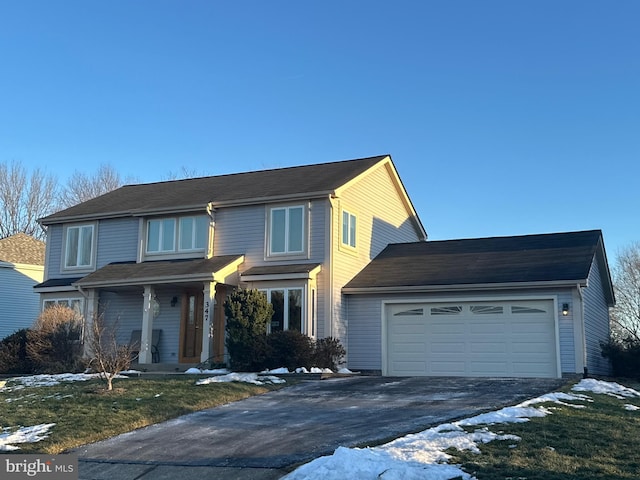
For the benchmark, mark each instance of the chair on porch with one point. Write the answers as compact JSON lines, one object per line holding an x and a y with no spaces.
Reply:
{"x":136,"y":341}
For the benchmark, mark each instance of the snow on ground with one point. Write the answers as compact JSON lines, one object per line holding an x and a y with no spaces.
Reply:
{"x":242,"y":377}
{"x":422,"y":455}
{"x":18,"y":383}
{"x":32,"y":434}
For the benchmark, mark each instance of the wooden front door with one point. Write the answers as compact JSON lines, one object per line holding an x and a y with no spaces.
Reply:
{"x":191,"y":327}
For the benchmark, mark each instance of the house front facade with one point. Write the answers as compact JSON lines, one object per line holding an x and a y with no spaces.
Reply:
{"x":158,"y":260}
{"x":339,"y":251}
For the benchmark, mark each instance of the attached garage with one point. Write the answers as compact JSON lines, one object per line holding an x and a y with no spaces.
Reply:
{"x":475,"y":339}
{"x":525,"y":306}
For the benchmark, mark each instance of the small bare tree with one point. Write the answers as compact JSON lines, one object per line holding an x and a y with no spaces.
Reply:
{"x":625,"y":316}
{"x":82,"y":187}
{"x":106,"y":356}
{"x":24,"y":199}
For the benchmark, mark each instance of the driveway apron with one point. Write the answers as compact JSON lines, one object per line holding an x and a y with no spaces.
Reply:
{"x":265,"y":436}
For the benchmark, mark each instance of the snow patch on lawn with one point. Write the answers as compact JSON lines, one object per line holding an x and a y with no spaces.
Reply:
{"x":631,"y":408}
{"x":422,"y":455}
{"x":32,"y":434}
{"x":215,"y":371}
{"x":18,"y":383}
{"x":241,"y":377}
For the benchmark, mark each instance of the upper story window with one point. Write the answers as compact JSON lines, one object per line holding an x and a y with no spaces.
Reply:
{"x":286,"y":230}
{"x":348,"y":229}
{"x":79,"y":246}
{"x":183,"y":234}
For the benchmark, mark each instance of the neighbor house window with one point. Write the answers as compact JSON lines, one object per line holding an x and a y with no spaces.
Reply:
{"x":286,"y":228}
{"x":183,"y":234}
{"x":79,"y":246}
{"x":348,"y":229}
{"x":287,"y":309}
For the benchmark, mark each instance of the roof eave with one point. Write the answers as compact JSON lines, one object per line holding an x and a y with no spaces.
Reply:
{"x":464,"y":286}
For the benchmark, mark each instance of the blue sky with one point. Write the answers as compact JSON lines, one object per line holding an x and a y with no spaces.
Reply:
{"x":502,"y":117}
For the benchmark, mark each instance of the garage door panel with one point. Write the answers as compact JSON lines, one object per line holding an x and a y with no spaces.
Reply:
{"x":473,"y":339}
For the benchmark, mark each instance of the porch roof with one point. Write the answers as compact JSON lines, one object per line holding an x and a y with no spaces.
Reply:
{"x":281,"y":272}
{"x":162,"y":272}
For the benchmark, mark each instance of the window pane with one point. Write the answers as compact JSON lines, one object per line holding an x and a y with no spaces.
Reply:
{"x":168,"y":234}
{"x":186,"y":233}
{"x":295,"y":229}
{"x":345,"y":228}
{"x":277,"y":320}
{"x":295,"y":309}
{"x":86,"y":241}
{"x":352,"y":231}
{"x":153,"y":236}
{"x":278,"y":223}
{"x":202,"y":231}
{"x":71,"y":257}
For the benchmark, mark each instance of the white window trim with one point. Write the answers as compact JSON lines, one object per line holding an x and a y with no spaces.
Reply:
{"x":269,"y":253}
{"x":65,"y":240}
{"x":352,"y":217}
{"x":177,"y":236}
{"x":68,"y":300}
{"x":303,"y":307}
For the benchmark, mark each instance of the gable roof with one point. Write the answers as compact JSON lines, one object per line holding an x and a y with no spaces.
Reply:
{"x":22,"y":248}
{"x":557,"y":258}
{"x":197,"y":193}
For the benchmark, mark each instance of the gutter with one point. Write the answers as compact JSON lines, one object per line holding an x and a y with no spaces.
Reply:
{"x":584,"y":331}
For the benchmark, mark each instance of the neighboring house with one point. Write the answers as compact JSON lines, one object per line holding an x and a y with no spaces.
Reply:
{"x":340,"y":251}
{"x":163,"y":256}
{"x":21,"y":268}
{"x":525,"y":306}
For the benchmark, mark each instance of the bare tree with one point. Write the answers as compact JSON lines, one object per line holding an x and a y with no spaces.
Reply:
{"x":106,"y":356}
{"x":184,"y":173}
{"x":82,"y":187}
{"x":625,"y":316}
{"x":24,"y":199}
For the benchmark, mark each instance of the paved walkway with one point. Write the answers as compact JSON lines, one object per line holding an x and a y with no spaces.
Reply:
{"x":266,"y":436}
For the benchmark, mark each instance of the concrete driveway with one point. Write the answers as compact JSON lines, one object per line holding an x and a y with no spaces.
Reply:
{"x":264,"y":437}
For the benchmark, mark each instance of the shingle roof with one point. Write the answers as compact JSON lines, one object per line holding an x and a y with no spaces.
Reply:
{"x":499,"y":260}
{"x":198,"y":192}
{"x":167,"y":270}
{"x":22,"y":248}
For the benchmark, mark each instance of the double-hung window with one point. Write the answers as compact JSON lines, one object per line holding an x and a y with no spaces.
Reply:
{"x":79,"y":246}
{"x":286,"y":230}
{"x":348,"y":229}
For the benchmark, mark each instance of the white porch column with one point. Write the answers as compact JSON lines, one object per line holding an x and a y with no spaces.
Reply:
{"x":91,"y":311}
{"x":207,"y":320}
{"x":145,"y":355}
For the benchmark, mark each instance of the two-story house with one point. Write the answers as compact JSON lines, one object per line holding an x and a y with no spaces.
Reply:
{"x":163,"y":256}
{"x":340,"y":252}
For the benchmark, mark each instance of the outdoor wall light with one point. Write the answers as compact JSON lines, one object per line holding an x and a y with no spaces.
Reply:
{"x":565,"y":309}
{"x":174,"y":301}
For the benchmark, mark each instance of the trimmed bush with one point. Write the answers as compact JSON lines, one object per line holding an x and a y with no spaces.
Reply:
{"x":329,"y":353}
{"x":290,"y":349}
{"x":13,"y":353}
{"x":248,"y":313}
{"x":624,"y":356}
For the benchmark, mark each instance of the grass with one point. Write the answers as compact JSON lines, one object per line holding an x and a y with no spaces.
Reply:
{"x":85,"y":412}
{"x":601,"y":441}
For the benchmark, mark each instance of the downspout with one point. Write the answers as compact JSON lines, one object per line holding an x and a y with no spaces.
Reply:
{"x":331,"y":271}
{"x":585,"y":373}
{"x":212,"y":217}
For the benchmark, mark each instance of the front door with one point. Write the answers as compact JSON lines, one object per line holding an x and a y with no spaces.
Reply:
{"x":191,"y":327}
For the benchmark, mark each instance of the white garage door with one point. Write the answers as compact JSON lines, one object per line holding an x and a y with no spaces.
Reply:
{"x":476,"y":339}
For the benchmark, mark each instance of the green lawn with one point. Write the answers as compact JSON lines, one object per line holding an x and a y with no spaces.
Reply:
{"x":600,"y":441}
{"x":84,"y":412}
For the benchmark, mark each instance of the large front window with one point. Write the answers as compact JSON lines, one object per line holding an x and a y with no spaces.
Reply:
{"x":184,"y":234}
{"x":286,"y":230}
{"x":79,"y":246}
{"x":287,"y":309}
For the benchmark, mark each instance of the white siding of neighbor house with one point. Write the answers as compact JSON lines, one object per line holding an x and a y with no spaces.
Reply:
{"x":596,"y":320}
{"x":19,"y":304}
{"x":381,"y":219}
{"x":364,"y":351}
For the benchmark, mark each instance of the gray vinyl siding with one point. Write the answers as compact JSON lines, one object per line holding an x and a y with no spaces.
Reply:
{"x":596,"y":321}
{"x":364,"y":346}
{"x":54,"y":251}
{"x":117,"y":241}
{"x":19,"y":305}
{"x":381,"y":219}
{"x":124,"y":311}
